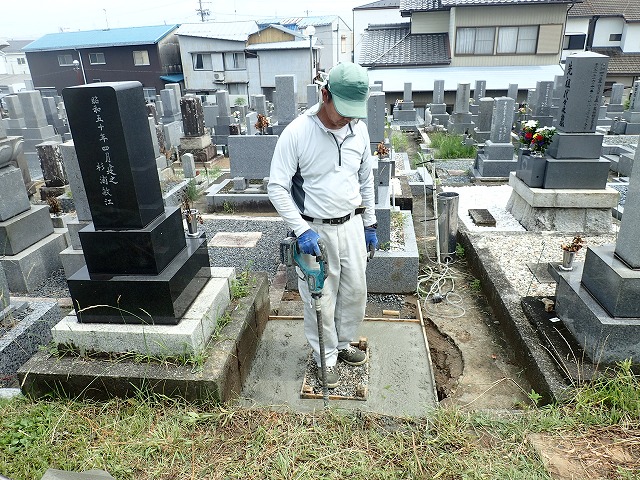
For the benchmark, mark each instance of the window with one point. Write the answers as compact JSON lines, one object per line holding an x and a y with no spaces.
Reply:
{"x":140,"y":57}
{"x":517,"y":40}
{"x":234,"y":61}
{"x":574,"y":42}
{"x":149,"y":94}
{"x":343,"y":44}
{"x":477,"y":41}
{"x":237,"y":88}
{"x":96,"y":59}
{"x":615,"y":37}
{"x":22,"y":61}
{"x":202,"y":61}
{"x":65,"y":60}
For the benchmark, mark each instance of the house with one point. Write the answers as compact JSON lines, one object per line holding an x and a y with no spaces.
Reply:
{"x":334,"y":38}
{"x":610,"y":27}
{"x":149,"y":55}
{"x":243,"y":58}
{"x":13,"y":60}
{"x":376,"y":13}
{"x":499,"y":41}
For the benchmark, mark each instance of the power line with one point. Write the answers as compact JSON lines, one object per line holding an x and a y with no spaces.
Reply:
{"x":203,"y":12}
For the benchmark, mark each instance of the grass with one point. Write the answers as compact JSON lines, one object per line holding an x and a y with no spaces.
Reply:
{"x":399,"y":141}
{"x":154,"y":437}
{"x":450,"y":146}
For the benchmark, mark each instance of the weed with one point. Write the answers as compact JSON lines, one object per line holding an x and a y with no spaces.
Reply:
{"x":241,"y":285}
{"x":450,"y":146}
{"x":399,"y":141}
{"x":535,"y":397}
{"x":228,"y":208}
{"x":459,"y":251}
{"x":475,"y":285}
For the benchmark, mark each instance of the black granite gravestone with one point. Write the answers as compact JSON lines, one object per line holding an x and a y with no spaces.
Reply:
{"x":140,"y":268}
{"x":192,"y":116}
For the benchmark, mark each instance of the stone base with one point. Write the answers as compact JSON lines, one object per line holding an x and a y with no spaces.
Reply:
{"x":405,"y":115}
{"x":19,"y":343}
{"x":494,"y":168}
{"x":72,"y":261}
{"x":481,"y":137}
{"x":576,"y":173}
{"x":143,"y":299}
{"x":227,"y":364}
{"x":203,"y":155}
{"x":605,"y":339}
{"x":565,"y":210}
{"x":195,"y":143}
{"x":187,"y":337}
{"x":26,"y":270}
{"x":576,"y":145}
{"x":252,"y":199}
{"x":24,"y":230}
{"x":438,"y":109}
{"x":632,"y":129}
{"x":440,"y":119}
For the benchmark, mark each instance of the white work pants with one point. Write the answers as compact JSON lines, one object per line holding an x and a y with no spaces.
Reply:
{"x":344,"y":296}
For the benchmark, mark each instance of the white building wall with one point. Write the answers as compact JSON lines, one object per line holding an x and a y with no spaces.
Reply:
{"x":363,"y":18}
{"x":631,"y":38}
{"x":284,"y":62}
{"x":606,"y":27}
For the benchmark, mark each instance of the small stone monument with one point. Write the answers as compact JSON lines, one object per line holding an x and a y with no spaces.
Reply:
{"x":541,"y":109}
{"x":482,"y":130}
{"x":616,"y":105}
{"x":285,"y":102}
{"x":497,"y":158}
{"x":195,"y":141}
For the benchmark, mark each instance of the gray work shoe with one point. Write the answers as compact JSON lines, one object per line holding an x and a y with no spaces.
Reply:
{"x":352,"y":356}
{"x":333,"y":378}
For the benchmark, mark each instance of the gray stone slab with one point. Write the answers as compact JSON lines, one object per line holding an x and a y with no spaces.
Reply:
{"x":250,"y":156}
{"x":14,"y":108}
{"x":13,"y":195}
{"x":512,"y":91}
{"x":4,"y":292}
{"x":250,"y":123}
{"x":261,"y":104}
{"x":576,"y":145}
{"x":482,"y":217}
{"x":222,"y":100}
{"x":285,"y":98}
{"x":170,"y":103}
{"x":376,"y":116}
{"x":188,"y":165}
{"x":487,"y":167}
{"x":485,"y":114}
{"x":28,"y":269}
{"x":210,"y":114}
{"x":576,"y":173}
{"x":498,"y":151}
{"x":312,"y":95}
{"x":407,"y":92}
{"x":74,"y":226}
{"x":438,"y":91}
{"x":584,"y":78}
{"x":74,"y":177}
{"x":172,"y":134}
{"x":544,"y":94}
{"x":634,"y":105}
{"x":53,"y":474}
{"x":19,"y":343}
{"x":502,"y":120}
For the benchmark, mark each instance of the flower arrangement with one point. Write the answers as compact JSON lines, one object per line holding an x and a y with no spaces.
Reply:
{"x":523,"y":109}
{"x":576,"y":244}
{"x":186,"y":203}
{"x":542,"y":139}
{"x":382,"y":151}
{"x":262,"y":124}
{"x":528,"y":128}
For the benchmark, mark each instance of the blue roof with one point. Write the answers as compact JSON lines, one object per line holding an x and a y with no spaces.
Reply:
{"x":101,"y":38}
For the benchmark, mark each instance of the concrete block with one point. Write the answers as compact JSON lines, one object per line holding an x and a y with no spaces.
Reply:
{"x":25,"y":229}
{"x":14,"y":199}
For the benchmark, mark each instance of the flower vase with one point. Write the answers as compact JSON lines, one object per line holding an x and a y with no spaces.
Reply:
{"x":567,"y":260}
{"x":192,"y":222}
{"x":537,"y":153}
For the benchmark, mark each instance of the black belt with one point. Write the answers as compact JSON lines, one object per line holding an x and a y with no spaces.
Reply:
{"x":334,"y":221}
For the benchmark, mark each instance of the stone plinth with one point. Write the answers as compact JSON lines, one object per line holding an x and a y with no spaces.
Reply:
{"x":13,"y":198}
{"x":567,"y":210}
{"x":250,"y":155}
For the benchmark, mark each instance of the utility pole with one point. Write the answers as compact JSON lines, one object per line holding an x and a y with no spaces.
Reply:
{"x":203,"y":12}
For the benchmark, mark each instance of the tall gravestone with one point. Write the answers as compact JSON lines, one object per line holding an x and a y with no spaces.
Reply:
{"x":140,"y":268}
{"x":405,"y":111}
{"x":512,"y":91}
{"x":616,"y":104}
{"x":53,"y":172}
{"x":438,"y":107}
{"x":541,"y":109}
{"x":376,"y":118}
{"x":574,"y":154}
{"x":196,"y":140}
{"x":285,"y":101}
{"x":312,"y":95}
{"x":171,"y":118}
{"x":460,"y":121}
{"x":479,"y":91}
{"x":497,"y":159}
{"x":632,"y":116}
{"x":601,"y":304}
{"x":482,"y":130}
{"x":224,"y":119}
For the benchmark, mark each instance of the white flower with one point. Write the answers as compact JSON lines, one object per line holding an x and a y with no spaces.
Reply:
{"x":531,"y":123}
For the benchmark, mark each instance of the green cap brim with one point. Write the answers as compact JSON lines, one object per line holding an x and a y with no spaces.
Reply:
{"x":350,"y":108}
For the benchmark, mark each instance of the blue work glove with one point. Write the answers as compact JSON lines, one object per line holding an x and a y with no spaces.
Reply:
{"x":308,"y":243}
{"x":370,"y":237}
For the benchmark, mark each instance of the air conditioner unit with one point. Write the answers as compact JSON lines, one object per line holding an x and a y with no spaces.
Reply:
{"x":218,"y":76}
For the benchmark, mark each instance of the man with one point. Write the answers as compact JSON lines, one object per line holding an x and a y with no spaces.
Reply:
{"x":320,"y":180}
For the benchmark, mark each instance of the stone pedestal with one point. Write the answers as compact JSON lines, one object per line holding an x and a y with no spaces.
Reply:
{"x":460,"y":123}
{"x":567,"y":210}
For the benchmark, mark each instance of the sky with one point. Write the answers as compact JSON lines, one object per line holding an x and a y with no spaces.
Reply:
{"x":30,"y":19}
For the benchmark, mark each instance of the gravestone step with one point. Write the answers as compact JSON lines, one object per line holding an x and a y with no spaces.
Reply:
{"x":482,"y":217}
{"x":53,"y":474}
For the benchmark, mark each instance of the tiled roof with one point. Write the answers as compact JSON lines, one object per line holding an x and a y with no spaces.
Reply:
{"x":393,"y":45}
{"x":429,"y":5}
{"x":100,"y":38}
{"x":16,"y":46}
{"x":621,"y":63}
{"x":300,"y":22}
{"x":379,"y":4}
{"x":629,"y":9}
